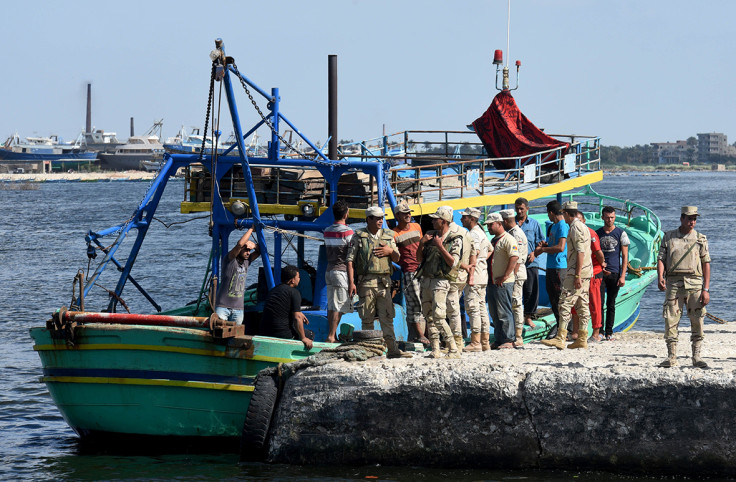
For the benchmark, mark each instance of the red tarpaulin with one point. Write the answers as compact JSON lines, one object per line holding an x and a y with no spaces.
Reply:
{"x":506,"y":132}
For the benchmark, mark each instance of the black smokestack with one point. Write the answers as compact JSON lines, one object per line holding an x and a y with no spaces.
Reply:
{"x":89,"y":108}
{"x":332,"y":106}
{"x":132,"y":131}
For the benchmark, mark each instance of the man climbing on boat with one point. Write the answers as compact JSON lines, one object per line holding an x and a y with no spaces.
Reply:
{"x":371,"y":251}
{"x":475,"y":292}
{"x":439,"y":260}
{"x":504,"y":263}
{"x":229,"y":301}
{"x":683,"y":273}
{"x":337,"y":238}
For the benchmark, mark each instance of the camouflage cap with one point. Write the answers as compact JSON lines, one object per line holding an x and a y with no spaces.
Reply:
{"x":690,"y":210}
{"x":507,"y":213}
{"x":374,"y":211}
{"x":443,"y":212}
{"x":472,"y":212}
{"x":493,"y":217}
{"x":570,"y":205}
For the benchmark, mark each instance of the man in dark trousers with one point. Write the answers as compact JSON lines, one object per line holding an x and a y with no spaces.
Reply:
{"x":282,"y":314}
{"x":615,"y":245}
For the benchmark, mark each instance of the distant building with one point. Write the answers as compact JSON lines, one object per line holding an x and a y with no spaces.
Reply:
{"x":674,"y":152}
{"x":714,"y":144}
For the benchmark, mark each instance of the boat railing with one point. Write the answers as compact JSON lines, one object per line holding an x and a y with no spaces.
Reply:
{"x":637,"y":216}
{"x":427,"y":166}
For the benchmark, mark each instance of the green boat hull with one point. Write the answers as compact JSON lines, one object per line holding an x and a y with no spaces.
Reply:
{"x":143,"y":380}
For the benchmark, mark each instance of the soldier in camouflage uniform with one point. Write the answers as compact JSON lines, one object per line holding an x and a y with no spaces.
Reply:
{"x":370,"y":254}
{"x":467,"y":264}
{"x":475,"y":291}
{"x":683,"y":272}
{"x":509,"y":223}
{"x":439,"y":257}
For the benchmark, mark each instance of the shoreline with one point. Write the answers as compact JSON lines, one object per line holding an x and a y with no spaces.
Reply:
{"x":78,"y":176}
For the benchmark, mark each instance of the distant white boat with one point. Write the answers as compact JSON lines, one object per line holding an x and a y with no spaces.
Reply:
{"x":138,"y":148}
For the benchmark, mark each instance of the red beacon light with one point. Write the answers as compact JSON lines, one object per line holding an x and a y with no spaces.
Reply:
{"x":518,"y":64}
{"x":498,"y":57}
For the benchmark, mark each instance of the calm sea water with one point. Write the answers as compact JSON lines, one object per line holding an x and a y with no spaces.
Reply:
{"x":42,"y":247}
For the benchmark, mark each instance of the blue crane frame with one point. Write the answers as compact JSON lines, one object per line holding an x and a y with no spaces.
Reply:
{"x":224,"y":221}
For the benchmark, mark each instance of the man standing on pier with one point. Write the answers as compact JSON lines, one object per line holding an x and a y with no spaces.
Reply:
{"x":555,"y":249}
{"x":337,"y":239}
{"x":576,"y":284}
{"x":615,"y":245}
{"x":371,"y":251}
{"x":475,"y":292}
{"x":464,"y":276}
{"x":503,"y":266}
{"x":439,"y":260}
{"x":407,"y":236}
{"x":683,"y":273}
{"x":534,"y":236}
{"x":517,"y":297}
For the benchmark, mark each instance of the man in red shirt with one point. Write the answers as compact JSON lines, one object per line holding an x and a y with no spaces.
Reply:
{"x":407,"y":235}
{"x":594,"y":295}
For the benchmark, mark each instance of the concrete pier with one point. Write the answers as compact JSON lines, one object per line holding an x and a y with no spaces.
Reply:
{"x":606,"y":408}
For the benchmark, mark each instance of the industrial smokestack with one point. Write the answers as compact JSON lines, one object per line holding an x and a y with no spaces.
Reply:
{"x":89,"y":109}
{"x":132,"y":130}
{"x":332,"y":106}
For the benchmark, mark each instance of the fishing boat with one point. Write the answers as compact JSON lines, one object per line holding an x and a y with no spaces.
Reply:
{"x":185,"y":372}
{"x":128,"y":156}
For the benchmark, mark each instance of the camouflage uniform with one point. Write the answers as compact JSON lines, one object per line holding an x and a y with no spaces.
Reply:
{"x":683,"y":256}
{"x":436,"y":279}
{"x":457,"y":286}
{"x":373,"y":280}
{"x":517,"y":296}
{"x":578,"y":241}
{"x":475,"y":296}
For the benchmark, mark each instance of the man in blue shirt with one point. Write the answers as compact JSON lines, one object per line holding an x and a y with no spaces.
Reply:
{"x":534,"y":236}
{"x":556,"y":250}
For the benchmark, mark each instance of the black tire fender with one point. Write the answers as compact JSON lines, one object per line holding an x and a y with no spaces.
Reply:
{"x":258,"y":418}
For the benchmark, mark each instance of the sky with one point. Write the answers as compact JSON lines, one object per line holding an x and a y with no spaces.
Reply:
{"x":631,"y":72}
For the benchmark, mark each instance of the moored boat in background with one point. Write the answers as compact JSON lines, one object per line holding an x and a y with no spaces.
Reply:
{"x":128,"y":156}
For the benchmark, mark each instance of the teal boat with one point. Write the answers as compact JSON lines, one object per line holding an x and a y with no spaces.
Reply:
{"x":185,"y":373}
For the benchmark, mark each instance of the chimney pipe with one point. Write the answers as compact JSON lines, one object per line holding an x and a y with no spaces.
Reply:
{"x":132,"y":131}
{"x":332,"y":106}
{"x":89,"y":109}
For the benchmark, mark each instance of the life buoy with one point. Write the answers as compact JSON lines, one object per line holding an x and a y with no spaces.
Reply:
{"x":258,"y":418}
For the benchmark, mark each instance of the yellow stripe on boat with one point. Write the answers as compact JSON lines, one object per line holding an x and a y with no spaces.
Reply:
{"x":145,"y":381}
{"x":429,"y":207}
{"x":170,"y":349}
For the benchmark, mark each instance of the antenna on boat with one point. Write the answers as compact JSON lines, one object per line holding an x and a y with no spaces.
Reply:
{"x":498,"y":59}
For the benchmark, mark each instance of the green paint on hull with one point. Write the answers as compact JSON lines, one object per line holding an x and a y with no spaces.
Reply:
{"x":156,"y":381}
